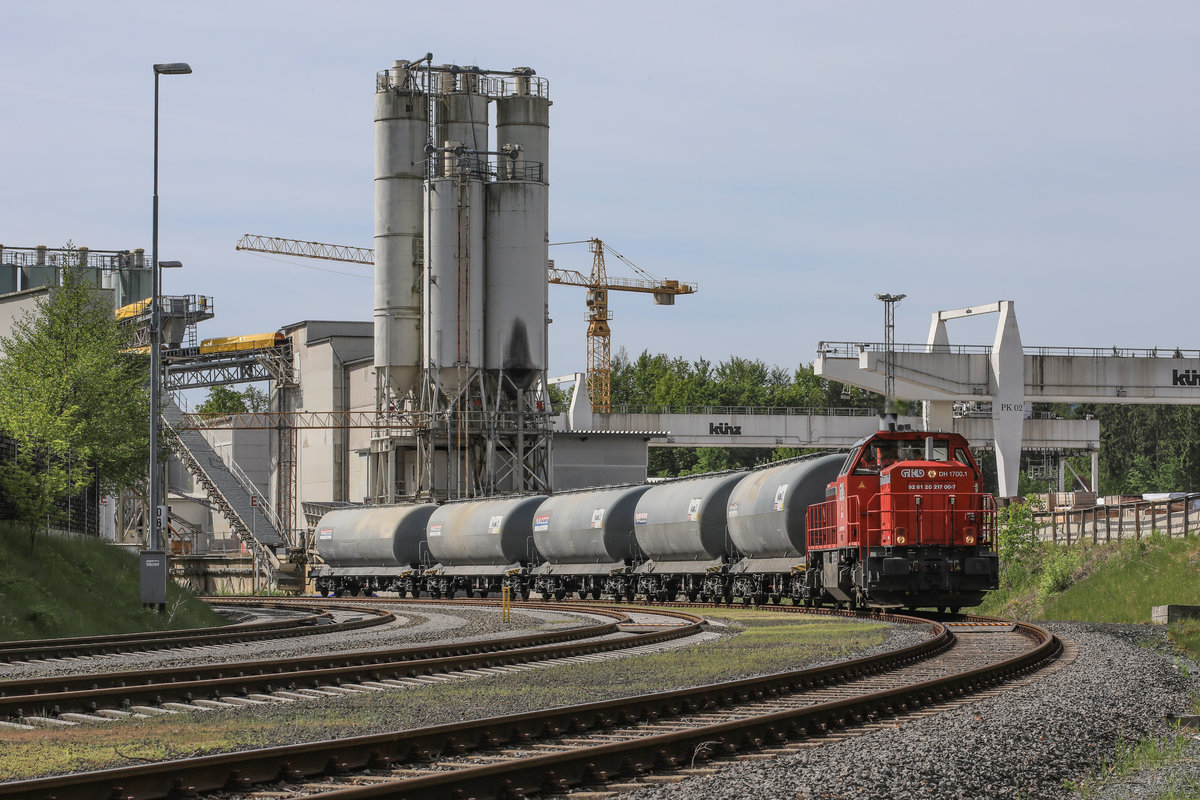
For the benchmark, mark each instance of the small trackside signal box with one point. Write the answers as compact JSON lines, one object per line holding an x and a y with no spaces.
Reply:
{"x":154,"y":577}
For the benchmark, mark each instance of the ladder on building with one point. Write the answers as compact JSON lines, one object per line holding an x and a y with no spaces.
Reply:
{"x":252,"y":523}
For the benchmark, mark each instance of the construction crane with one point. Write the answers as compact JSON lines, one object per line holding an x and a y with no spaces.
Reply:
{"x":599,"y":332}
{"x":598,"y":284}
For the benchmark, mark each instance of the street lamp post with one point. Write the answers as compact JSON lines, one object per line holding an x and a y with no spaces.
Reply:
{"x":154,"y":573}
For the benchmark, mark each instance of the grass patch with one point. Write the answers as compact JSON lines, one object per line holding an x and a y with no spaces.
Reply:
{"x":1133,"y":757}
{"x":764,"y":643}
{"x":81,"y":587}
{"x":1186,"y":636}
{"x":1106,"y":582}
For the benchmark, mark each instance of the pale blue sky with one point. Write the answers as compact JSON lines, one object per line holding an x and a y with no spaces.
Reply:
{"x":793,"y":159}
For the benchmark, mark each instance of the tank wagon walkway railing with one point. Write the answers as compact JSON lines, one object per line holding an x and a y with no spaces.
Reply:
{"x":226,"y":492}
{"x":1175,"y":517}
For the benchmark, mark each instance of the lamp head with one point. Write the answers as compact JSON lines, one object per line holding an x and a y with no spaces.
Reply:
{"x":176,"y":68}
{"x":170,"y":264}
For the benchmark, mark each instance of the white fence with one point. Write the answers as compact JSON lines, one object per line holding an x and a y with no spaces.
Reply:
{"x":1131,"y":520}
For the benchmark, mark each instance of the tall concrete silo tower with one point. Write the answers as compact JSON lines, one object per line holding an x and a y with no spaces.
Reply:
{"x":461,"y":327}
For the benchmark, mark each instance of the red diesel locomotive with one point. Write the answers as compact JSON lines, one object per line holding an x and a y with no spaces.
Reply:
{"x":904,"y":525}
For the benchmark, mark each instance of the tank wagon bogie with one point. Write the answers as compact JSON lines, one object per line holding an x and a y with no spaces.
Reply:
{"x":899,"y":522}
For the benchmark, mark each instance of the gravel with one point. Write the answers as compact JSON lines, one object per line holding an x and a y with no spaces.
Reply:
{"x":1026,"y":743}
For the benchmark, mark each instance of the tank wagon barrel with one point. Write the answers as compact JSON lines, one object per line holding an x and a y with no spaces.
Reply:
{"x":681,"y":529}
{"x":480,"y":546}
{"x":587,"y":541}
{"x":371,"y":549}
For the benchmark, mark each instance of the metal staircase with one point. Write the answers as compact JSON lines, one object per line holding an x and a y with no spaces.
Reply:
{"x":229,"y":493}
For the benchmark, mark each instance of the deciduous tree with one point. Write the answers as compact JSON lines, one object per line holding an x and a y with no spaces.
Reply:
{"x":73,"y":397}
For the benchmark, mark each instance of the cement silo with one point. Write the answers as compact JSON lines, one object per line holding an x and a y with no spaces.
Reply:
{"x":461,"y":236}
{"x":454,"y":281}
{"x":518,"y":217}
{"x":463,"y":111}
{"x":401,"y":132}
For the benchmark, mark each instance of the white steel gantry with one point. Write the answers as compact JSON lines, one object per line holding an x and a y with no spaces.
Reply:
{"x":1010,"y":376}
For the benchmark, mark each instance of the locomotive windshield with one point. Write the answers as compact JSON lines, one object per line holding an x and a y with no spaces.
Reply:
{"x":879,"y":454}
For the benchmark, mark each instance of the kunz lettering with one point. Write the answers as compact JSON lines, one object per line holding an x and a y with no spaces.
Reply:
{"x":724,"y":429}
{"x":1189,"y":377}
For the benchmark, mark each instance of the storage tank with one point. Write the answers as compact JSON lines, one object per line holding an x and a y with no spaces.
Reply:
{"x":767,"y":508}
{"x":515,"y":332}
{"x":523,"y":118}
{"x":455,"y":279}
{"x":385,"y":536}
{"x":588,"y":527}
{"x":684,"y":520}
{"x":401,"y":126}
{"x":483,"y":533}
{"x":463,"y":111}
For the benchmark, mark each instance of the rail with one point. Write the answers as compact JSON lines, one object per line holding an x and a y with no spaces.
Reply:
{"x":556,"y":772}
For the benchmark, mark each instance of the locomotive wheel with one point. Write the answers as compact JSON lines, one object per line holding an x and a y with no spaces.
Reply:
{"x":559,"y":594}
{"x":595,"y":594}
{"x":545,"y":595}
{"x":324,"y":590}
{"x":691,"y":596}
{"x":630,"y":594}
{"x":955,"y":609}
{"x":524,"y":594}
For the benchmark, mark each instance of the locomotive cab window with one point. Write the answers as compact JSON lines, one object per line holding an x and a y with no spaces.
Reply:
{"x":876,"y":457}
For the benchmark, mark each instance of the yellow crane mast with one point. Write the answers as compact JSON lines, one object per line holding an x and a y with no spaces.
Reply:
{"x":598,"y":284}
{"x":599,"y":333}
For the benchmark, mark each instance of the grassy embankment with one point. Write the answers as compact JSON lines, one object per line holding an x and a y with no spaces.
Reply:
{"x":63,"y":587}
{"x":767,"y":642}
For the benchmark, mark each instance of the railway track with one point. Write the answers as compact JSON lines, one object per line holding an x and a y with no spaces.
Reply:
{"x":321,"y":621}
{"x":550,"y":751}
{"x":99,"y":697}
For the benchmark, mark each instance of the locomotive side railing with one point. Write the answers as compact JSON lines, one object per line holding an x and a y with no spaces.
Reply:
{"x":957,"y":512}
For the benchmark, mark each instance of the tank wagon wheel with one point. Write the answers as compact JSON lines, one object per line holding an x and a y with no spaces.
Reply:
{"x":691,"y":596}
{"x":595,"y":594}
{"x":630,"y":594}
{"x":559,"y":594}
{"x":955,"y":609}
{"x":324,"y":590}
{"x":776,"y":599}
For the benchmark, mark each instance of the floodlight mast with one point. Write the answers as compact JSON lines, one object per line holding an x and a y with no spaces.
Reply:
{"x":889,"y":346}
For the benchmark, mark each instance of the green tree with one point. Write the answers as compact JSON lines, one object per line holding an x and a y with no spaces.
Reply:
{"x":222,"y":400}
{"x":73,"y":398}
